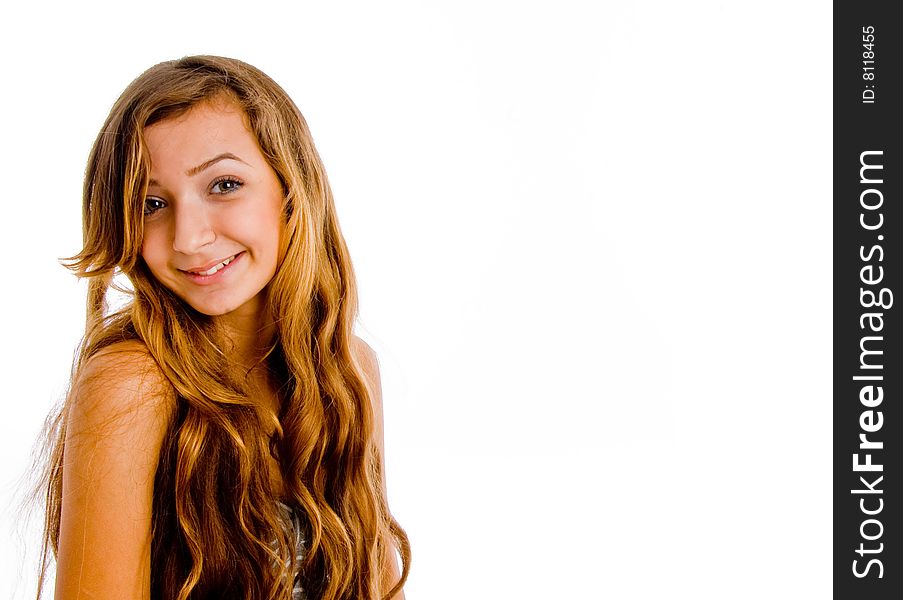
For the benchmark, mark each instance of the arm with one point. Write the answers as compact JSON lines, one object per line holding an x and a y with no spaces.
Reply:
{"x":119,"y":410}
{"x":366,"y":357}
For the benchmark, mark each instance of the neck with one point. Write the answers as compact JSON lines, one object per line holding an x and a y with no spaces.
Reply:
{"x":251,"y":334}
{"x":251,"y":331}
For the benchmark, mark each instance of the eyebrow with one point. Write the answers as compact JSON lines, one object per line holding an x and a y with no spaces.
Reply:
{"x":204,"y":165}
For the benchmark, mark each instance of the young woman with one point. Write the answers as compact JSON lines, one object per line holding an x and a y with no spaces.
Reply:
{"x":222,"y":436}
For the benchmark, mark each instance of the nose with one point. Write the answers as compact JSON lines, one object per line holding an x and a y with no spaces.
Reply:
{"x":192,"y":228}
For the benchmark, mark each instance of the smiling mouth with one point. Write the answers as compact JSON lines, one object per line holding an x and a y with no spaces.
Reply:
{"x":212,"y":270}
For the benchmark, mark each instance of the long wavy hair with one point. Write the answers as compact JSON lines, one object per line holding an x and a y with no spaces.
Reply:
{"x":215,"y":519}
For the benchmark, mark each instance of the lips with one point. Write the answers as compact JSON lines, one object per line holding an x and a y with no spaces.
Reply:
{"x":213,"y":272}
{"x":210,"y":268}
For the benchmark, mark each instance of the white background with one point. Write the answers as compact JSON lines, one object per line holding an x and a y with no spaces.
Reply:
{"x":593,"y":242}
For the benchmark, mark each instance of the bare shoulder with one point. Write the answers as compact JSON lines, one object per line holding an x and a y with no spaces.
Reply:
{"x":120,"y":407}
{"x":120,"y":386}
{"x":369,"y":364}
{"x":119,"y":411}
{"x":123,"y":365}
{"x":367,"y":359}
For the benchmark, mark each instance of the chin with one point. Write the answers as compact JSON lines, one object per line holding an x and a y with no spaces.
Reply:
{"x":214,"y":310}
{"x":218,"y":307}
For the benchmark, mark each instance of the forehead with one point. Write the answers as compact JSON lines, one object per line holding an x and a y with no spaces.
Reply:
{"x":205,"y":130}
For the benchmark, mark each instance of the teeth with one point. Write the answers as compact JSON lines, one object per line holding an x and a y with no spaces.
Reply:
{"x":216,"y":268}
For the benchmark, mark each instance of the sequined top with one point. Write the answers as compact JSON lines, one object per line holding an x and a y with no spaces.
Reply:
{"x":293,"y":519}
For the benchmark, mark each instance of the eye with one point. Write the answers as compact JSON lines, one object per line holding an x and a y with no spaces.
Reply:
{"x":152,"y":205}
{"x":225,"y":185}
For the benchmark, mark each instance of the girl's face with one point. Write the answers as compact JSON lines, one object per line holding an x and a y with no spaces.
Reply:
{"x":213,"y":210}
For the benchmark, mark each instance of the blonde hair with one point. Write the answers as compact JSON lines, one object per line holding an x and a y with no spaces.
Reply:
{"x":215,"y":447}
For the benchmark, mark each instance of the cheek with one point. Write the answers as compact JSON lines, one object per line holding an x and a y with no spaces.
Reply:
{"x":151,"y":248}
{"x":270,"y":231}
{"x":266,"y":242}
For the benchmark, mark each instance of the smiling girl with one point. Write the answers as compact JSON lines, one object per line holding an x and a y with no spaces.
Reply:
{"x":222,"y":436}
